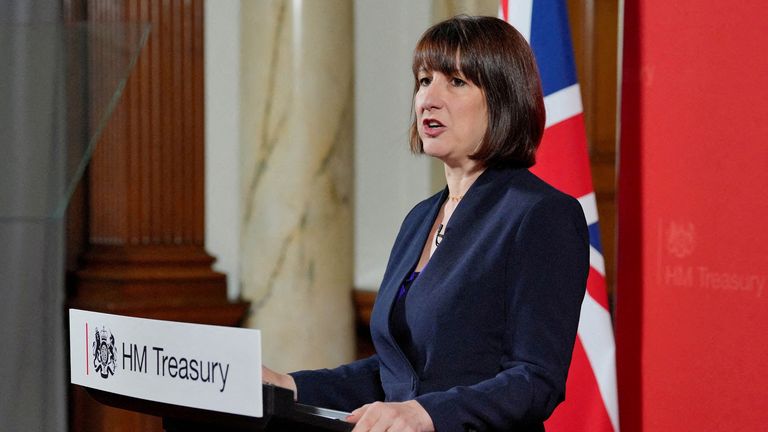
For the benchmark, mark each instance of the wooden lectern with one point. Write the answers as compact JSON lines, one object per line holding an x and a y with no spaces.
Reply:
{"x":281,"y":413}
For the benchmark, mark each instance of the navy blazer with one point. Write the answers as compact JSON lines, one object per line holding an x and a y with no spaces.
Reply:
{"x":493,"y":315}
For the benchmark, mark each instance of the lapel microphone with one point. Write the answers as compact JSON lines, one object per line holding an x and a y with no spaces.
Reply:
{"x":439,"y":235}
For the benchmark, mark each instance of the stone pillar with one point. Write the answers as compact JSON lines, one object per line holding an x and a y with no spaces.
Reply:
{"x":296,"y":179}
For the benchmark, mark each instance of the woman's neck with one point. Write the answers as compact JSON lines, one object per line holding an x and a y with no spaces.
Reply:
{"x":461,"y":178}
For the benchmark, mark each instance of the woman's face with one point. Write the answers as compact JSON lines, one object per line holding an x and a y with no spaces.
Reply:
{"x":451,"y":116}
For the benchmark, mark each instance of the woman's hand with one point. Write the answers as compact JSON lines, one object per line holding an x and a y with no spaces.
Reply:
{"x":407,"y":416}
{"x":268,"y":376}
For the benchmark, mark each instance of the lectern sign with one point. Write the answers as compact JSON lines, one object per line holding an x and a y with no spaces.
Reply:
{"x":200,"y":366}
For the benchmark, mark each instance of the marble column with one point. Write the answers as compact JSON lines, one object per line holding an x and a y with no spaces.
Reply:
{"x":297,"y":178}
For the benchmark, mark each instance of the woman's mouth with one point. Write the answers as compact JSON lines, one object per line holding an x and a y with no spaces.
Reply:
{"x":432,"y":127}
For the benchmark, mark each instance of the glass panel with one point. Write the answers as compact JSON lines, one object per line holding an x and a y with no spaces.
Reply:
{"x":58,"y":86}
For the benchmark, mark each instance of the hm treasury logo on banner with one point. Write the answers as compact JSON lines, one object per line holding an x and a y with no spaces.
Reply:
{"x":104,"y":352}
{"x":199,"y":366}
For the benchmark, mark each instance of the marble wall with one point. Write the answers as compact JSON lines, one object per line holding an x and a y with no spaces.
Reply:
{"x":296,"y":168}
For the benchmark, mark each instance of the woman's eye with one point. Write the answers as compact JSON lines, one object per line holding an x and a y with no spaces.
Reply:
{"x":424,"y":81}
{"x":458,"y":82}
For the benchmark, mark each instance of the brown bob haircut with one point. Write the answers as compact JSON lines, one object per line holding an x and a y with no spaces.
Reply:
{"x":496,"y":58}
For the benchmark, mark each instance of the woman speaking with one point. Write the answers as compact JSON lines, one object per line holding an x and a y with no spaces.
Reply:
{"x":476,"y":316}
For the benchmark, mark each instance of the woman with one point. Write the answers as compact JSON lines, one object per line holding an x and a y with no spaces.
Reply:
{"x":477,"y":312}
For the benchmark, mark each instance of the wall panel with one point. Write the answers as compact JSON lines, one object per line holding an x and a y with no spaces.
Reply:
{"x":142,"y":217}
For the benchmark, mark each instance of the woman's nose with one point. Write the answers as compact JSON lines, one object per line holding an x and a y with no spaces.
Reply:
{"x":431,"y":97}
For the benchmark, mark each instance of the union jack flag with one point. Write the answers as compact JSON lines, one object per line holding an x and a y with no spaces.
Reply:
{"x":591,"y":398}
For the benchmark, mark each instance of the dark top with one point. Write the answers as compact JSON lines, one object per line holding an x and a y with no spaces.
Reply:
{"x":492,"y":318}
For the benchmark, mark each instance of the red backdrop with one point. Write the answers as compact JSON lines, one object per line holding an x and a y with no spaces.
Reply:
{"x":692,"y":294}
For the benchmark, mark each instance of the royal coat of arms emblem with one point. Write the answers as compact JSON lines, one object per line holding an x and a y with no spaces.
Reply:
{"x":104,"y":353}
